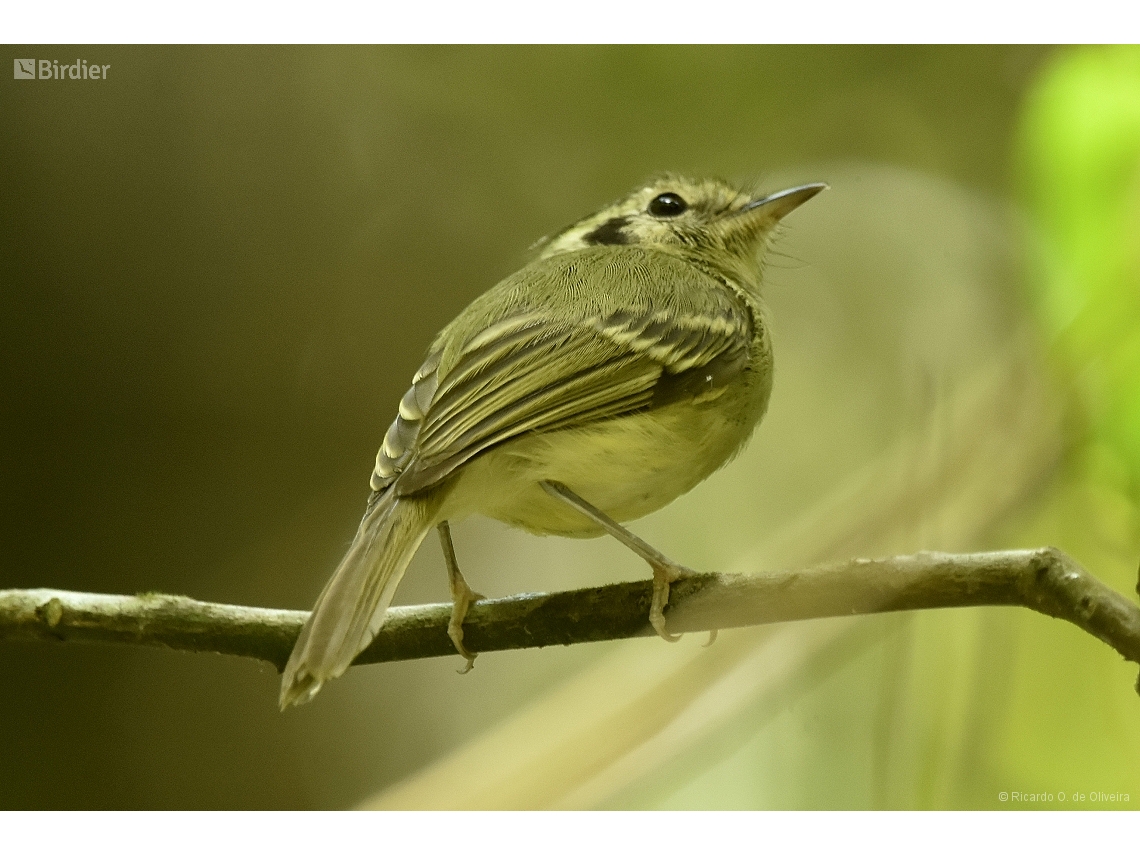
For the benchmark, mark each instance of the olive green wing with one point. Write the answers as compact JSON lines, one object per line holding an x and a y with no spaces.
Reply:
{"x":529,"y":372}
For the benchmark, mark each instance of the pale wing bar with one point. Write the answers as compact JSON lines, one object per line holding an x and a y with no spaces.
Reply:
{"x":525,"y":374}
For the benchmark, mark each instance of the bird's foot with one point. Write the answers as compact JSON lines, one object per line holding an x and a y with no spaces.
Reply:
{"x":663,"y":576}
{"x":462,"y":598}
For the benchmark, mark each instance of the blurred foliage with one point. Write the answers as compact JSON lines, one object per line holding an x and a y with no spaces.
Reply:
{"x":221,"y":265}
{"x":1078,"y":157}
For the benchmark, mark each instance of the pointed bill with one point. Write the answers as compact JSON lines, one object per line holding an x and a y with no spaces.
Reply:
{"x":759,"y":217}
{"x":776,"y":206}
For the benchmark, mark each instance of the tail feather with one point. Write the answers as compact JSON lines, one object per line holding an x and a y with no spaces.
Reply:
{"x":351,"y":609}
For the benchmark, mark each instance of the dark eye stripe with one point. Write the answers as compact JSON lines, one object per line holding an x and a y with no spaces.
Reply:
{"x":609,"y":233}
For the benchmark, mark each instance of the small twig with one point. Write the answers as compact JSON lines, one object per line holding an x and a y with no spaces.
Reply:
{"x":1045,"y":580}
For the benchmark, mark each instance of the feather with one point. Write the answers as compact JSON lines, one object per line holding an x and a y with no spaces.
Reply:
{"x":526,"y":370}
{"x":352,"y":607}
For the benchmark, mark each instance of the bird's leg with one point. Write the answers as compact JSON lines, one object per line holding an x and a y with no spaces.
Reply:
{"x":461,"y":596}
{"x":665,"y":571}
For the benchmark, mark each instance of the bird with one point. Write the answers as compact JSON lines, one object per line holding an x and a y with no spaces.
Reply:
{"x":628,"y":360}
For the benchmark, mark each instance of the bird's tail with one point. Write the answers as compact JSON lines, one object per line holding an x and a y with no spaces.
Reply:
{"x":351,"y":609}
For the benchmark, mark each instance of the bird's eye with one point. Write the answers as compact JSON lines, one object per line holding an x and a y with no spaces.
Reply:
{"x":668,"y":205}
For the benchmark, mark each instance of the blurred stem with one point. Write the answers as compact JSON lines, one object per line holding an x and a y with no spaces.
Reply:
{"x":1045,"y":580}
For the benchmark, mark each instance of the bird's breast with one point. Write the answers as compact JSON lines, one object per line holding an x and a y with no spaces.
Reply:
{"x":627,"y":467}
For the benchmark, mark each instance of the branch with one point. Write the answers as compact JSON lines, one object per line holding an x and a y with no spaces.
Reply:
{"x":1045,"y":580}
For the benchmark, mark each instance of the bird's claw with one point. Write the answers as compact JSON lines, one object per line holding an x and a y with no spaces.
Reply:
{"x":663,"y":576}
{"x":464,"y":597}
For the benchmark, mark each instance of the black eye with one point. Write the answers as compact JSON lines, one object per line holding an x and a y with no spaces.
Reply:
{"x":668,"y":205}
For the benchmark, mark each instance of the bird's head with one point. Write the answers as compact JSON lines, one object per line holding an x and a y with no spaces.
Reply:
{"x":709,"y":219}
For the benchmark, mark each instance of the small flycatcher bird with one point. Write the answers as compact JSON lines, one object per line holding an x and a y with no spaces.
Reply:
{"x":617,"y":370}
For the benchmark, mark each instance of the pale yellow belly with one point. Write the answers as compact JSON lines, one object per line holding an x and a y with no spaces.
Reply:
{"x":627,"y":467}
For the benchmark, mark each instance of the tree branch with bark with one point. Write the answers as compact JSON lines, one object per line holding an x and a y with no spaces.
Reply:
{"x":1045,"y":580}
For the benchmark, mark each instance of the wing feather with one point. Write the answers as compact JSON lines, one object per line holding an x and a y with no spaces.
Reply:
{"x":529,"y":372}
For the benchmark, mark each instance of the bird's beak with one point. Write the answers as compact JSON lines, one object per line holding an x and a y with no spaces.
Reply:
{"x":747,"y":225}
{"x":774,"y":207}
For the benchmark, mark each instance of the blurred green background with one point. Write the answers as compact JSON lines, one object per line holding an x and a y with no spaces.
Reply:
{"x":220,"y":267}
